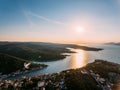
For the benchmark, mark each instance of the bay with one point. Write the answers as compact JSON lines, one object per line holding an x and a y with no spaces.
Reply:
{"x":76,"y":60}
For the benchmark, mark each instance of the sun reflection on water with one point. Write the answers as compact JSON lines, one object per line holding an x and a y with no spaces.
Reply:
{"x":78,"y":59}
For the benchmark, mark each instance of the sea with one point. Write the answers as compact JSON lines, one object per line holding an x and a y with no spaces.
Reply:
{"x":77,"y":60}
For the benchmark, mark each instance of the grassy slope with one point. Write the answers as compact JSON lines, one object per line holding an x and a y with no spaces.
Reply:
{"x":75,"y":80}
{"x":10,"y":63}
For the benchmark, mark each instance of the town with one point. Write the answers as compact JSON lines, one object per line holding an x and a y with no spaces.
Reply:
{"x":69,"y":79}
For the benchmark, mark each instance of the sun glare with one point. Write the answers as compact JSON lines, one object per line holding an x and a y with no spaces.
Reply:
{"x":79,"y":29}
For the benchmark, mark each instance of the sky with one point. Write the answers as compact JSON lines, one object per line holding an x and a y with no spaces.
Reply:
{"x":62,"y":21}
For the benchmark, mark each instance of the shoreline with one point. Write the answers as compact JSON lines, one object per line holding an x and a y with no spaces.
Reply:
{"x":23,"y":71}
{"x":94,"y":72}
{"x":40,"y":51}
{"x":95,"y":62}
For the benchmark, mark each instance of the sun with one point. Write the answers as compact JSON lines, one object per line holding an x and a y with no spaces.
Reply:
{"x":79,"y":29}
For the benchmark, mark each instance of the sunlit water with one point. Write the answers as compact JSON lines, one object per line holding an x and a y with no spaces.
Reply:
{"x":77,"y":60}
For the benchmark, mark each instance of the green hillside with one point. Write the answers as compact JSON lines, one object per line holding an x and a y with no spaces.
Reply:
{"x":10,"y":63}
{"x":39,"y":51}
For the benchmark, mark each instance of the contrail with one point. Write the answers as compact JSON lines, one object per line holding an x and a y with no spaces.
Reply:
{"x":46,"y":19}
{"x":28,"y":18}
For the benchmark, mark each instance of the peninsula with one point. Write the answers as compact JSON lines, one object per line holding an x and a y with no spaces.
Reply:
{"x":40,"y":51}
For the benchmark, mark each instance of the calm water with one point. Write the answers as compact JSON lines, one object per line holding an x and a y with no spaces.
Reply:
{"x":79,"y":59}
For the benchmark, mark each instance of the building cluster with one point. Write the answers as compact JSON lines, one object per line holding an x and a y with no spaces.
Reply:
{"x":41,"y":82}
{"x":102,"y":82}
{"x":56,"y":81}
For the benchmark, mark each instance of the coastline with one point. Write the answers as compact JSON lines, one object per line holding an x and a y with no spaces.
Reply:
{"x":98,"y":76}
{"x":32,"y":67}
{"x":40,"y":51}
{"x":28,"y":52}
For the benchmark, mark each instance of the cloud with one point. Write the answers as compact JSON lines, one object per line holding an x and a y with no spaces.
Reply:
{"x":43,"y":18}
{"x":28,"y":18}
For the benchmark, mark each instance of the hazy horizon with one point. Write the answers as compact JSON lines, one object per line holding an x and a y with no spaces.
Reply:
{"x":60,"y":21}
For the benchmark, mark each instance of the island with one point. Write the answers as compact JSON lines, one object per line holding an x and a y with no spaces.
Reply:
{"x":113,"y":43}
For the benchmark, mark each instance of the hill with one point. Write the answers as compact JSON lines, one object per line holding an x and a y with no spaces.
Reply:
{"x":39,"y":51}
{"x":9,"y":64}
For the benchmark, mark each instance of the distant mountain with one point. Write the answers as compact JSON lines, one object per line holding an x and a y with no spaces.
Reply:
{"x":113,"y":43}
